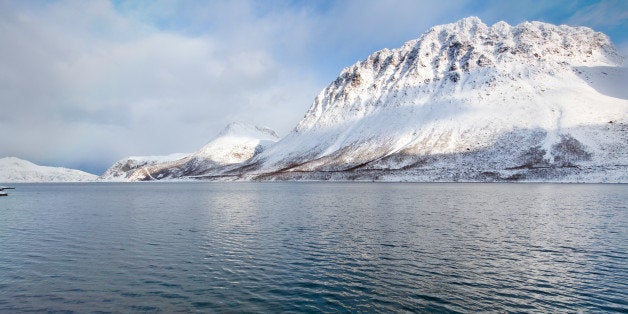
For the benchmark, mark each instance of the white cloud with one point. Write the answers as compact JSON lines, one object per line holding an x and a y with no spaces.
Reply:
{"x":76,"y":91}
{"x":600,"y":14}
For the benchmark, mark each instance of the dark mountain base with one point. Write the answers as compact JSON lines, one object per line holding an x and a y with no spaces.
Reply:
{"x":541,"y":174}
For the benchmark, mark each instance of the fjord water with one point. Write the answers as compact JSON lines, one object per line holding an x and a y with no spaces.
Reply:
{"x":277,"y":247}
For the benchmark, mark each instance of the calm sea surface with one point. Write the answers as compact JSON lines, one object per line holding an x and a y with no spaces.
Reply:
{"x":302,"y":247}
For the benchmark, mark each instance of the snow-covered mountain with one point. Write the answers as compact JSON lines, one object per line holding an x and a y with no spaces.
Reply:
{"x":235,"y":144}
{"x":125,"y":166}
{"x":13,"y":169}
{"x":466,"y":101}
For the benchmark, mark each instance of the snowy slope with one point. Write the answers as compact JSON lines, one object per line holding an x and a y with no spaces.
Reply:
{"x":237,"y":143}
{"x":13,"y":169}
{"x":467,"y":101}
{"x":123,"y":167}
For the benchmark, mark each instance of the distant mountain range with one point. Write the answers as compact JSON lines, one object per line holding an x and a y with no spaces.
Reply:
{"x":13,"y":169}
{"x":237,"y":143}
{"x":463,"y":102}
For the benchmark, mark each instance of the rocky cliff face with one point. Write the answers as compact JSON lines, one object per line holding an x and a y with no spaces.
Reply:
{"x":466,"y":101}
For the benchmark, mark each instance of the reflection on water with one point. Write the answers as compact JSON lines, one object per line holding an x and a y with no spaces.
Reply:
{"x":313,"y":247}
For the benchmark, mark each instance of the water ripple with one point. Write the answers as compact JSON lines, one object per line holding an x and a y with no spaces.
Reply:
{"x":311,"y":247}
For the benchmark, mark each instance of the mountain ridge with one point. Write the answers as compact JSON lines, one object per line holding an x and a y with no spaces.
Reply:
{"x":119,"y":170}
{"x":236,"y":143}
{"x":463,"y":102}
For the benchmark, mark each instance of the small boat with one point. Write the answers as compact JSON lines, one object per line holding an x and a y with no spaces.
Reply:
{"x":2,"y":188}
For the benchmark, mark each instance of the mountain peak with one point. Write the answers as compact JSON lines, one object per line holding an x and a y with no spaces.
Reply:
{"x":466,"y":24}
{"x":450,"y":58}
{"x":236,"y":136}
{"x":242,"y":129}
{"x":14,"y":160}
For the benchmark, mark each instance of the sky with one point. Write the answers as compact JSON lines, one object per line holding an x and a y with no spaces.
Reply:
{"x":85,"y":83}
